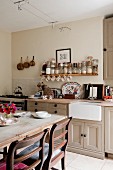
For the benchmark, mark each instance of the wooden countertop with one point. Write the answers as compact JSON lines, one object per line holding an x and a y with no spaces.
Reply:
{"x":64,"y":101}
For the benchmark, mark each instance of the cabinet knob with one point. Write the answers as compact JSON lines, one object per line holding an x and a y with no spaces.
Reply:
{"x":55,"y":105}
{"x":104,"y":49}
{"x":36,"y":103}
{"x":82,"y":135}
{"x":85,"y":135}
{"x":55,"y":111}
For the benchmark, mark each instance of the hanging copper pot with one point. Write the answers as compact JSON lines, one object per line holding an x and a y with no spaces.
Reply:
{"x":26,"y":63}
{"x":32,"y":62}
{"x":20,"y":66}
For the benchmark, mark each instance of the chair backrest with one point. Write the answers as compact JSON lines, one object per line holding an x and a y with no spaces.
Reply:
{"x":13,"y":158}
{"x":58,"y":142}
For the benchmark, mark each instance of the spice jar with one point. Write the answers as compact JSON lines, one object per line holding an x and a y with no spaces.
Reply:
{"x":56,"y":69}
{"x":74,"y":69}
{"x":79,"y":70}
{"x":61,"y":71}
{"x":95,"y":69}
{"x":65,"y":68}
{"x":44,"y":68}
{"x":83,"y":69}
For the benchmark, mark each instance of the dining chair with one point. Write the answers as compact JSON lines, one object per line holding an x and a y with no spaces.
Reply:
{"x":55,"y":149}
{"x":14,"y":162}
{"x":57,"y":144}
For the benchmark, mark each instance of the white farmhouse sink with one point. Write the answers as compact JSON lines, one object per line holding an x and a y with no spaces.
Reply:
{"x":85,"y":110}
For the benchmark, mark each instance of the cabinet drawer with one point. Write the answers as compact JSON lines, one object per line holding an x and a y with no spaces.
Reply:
{"x":57,"y":105}
{"x":32,"y":104}
{"x":57,"y":111}
{"x":41,"y":105}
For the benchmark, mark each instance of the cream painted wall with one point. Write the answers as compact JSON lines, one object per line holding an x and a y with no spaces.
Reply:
{"x":5,"y":63}
{"x":85,"y":38}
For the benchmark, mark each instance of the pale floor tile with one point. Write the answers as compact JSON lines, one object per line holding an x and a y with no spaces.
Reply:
{"x":87,"y":163}
{"x":108,"y":165}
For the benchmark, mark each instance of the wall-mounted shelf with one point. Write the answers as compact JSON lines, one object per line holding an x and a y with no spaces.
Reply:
{"x":62,"y":77}
{"x":56,"y":75}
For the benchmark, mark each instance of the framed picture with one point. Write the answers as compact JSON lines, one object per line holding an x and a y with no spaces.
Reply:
{"x":63,"y":55}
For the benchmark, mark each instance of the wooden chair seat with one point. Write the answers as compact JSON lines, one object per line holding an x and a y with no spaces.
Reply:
{"x":17,"y":166}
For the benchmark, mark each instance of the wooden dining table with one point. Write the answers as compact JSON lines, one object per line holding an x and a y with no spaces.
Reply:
{"x":25,"y":126}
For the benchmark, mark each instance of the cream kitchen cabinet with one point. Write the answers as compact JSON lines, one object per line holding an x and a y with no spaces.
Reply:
{"x":108,"y":49}
{"x":86,"y":137}
{"x":109,"y":130}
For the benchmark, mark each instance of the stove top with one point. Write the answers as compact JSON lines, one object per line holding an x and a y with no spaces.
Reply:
{"x":13,"y":96}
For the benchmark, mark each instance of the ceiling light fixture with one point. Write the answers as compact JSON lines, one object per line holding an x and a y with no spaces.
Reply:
{"x":20,"y":3}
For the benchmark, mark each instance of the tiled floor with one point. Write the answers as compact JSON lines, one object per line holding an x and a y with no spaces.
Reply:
{"x":80,"y":162}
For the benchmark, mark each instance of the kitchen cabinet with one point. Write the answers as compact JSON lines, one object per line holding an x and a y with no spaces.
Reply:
{"x":52,"y":108}
{"x":109,"y":130}
{"x":86,"y":137}
{"x":108,"y":49}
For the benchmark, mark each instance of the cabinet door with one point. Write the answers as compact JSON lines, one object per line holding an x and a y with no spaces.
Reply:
{"x":93,"y":136}
{"x":108,"y":49}
{"x":76,"y":134}
{"x":109,"y":129}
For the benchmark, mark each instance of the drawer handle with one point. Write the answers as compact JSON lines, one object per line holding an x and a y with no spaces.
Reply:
{"x":55,"y":105}
{"x":36,"y":103}
{"x":36,"y":110}
{"x":55,"y":111}
{"x":85,"y":135}
{"x":82,"y":135}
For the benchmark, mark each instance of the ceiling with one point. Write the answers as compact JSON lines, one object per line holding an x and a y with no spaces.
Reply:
{"x":40,"y":13}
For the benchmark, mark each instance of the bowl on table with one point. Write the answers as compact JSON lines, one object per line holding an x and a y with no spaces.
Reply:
{"x":41,"y":113}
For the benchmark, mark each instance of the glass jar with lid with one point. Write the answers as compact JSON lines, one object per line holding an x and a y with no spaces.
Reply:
{"x":83,"y":69}
{"x":89,"y":67}
{"x":69,"y":68}
{"x":61,"y":71}
{"x":79,"y":69}
{"x":48,"y":69}
{"x":74,"y":69}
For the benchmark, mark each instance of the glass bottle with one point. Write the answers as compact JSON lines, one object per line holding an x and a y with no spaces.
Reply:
{"x":74,"y":69}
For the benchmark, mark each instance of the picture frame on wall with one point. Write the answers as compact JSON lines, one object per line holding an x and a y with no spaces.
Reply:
{"x":63,"y":55}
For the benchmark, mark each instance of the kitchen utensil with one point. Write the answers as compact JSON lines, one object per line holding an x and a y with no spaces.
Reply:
{"x":20,"y":66}
{"x":32,"y":62}
{"x":26,"y":63}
